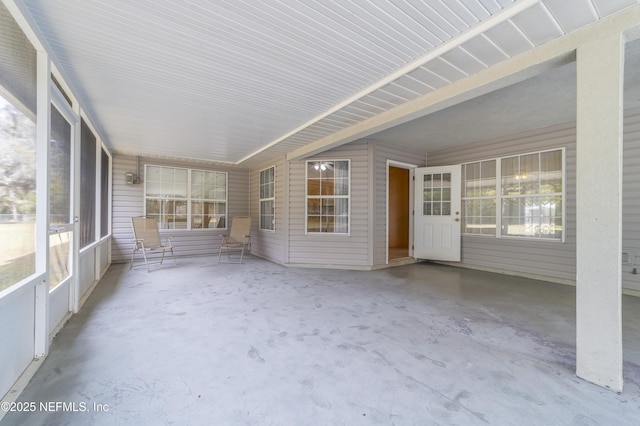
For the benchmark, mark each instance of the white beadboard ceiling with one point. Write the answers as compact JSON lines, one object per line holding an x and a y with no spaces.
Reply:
{"x":244,"y":81}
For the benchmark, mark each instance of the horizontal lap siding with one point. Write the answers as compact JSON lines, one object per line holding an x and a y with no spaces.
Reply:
{"x":631,"y":199}
{"x":266,"y":244}
{"x":551,"y":259}
{"x":128,"y":201}
{"x":331,"y":249}
{"x":382,"y":153}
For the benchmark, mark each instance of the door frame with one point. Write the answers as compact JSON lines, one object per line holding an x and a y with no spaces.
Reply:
{"x":411,"y":168}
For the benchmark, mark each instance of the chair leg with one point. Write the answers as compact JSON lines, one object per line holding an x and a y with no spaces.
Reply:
{"x":234,"y":249}
{"x":133,"y":253}
{"x":162,"y":258}
{"x":146,"y":262}
{"x":173,"y":257}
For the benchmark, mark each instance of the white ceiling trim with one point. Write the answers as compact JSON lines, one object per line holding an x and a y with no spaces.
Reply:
{"x":502,"y":16}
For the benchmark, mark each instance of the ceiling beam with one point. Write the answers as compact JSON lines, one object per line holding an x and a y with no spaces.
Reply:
{"x":526,"y":65}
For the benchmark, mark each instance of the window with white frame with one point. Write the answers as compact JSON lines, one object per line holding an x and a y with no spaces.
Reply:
{"x":515,"y":196}
{"x":208,"y":199}
{"x":328,"y":187}
{"x":186,"y":198}
{"x":479,"y":197}
{"x":268,"y":199}
{"x":18,"y":191}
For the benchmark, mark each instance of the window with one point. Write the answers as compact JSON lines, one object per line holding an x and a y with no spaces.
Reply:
{"x":60,"y":190}
{"x":328,"y":196}
{"x":87,"y":185}
{"x":528,"y":189}
{"x":479,"y":197}
{"x":186,"y":198}
{"x":268,"y":199}
{"x":208,"y":199}
{"x":17,"y":153}
{"x":104,"y":193}
{"x":17,"y":193}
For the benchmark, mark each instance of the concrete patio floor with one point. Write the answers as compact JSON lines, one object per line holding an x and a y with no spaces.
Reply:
{"x":261,"y":344}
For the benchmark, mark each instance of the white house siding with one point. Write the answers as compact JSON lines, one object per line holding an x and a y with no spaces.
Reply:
{"x":335,"y":250}
{"x":552,"y":259}
{"x":267,"y":244}
{"x":383,"y":153}
{"x":631,"y":200}
{"x":128,"y":201}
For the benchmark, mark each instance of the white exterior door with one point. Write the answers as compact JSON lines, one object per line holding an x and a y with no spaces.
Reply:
{"x":437,"y":213}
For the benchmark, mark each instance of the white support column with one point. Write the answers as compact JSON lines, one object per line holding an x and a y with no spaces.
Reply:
{"x":43,"y":124}
{"x":600,"y":66}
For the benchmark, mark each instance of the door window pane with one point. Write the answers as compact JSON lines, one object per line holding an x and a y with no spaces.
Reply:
{"x":59,"y":170}
{"x":59,"y":258}
{"x":59,"y":198}
{"x":436,"y":194}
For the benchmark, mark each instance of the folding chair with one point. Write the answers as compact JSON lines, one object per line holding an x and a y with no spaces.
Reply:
{"x":238,"y":240}
{"x":147,"y":239}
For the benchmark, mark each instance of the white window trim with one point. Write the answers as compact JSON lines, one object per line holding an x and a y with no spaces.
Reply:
{"x":188,"y":199}
{"x":495,"y":198}
{"x":498,"y":233}
{"x":260,"y":200}
{"x":306,"y":198}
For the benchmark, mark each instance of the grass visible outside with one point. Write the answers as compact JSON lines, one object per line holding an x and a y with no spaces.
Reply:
{"x":17,"y":254}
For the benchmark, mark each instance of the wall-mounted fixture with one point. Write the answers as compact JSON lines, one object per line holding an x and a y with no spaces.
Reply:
{"x":130,"y":178}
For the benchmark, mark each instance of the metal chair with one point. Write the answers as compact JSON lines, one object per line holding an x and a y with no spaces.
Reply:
{"x":147,"y":239}
{"x":238,"y":239}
